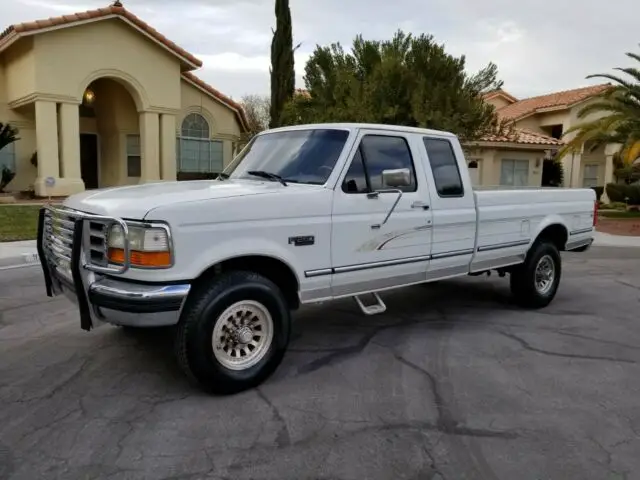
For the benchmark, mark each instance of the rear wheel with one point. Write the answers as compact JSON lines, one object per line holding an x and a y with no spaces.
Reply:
{"x":233,"y":332}
{"x":534,"y":284}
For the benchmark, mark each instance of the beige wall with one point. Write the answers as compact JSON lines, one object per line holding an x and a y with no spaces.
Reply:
{"x":223,"y":122}
{"x":12,"y":66}
{"x":69,"y":59}
{"x":490,"y":163}
{"x":499,"y":101}
{"x":20,"y":70}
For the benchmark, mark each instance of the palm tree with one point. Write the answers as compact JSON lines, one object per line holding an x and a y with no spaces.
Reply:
{"x":620,"y":123}
{"x":8,"y":135}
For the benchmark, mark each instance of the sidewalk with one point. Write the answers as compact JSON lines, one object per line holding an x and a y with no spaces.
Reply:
{"x":13,"y":254}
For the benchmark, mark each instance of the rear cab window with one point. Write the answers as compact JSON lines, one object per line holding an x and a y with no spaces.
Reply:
{"x":444,"y":166}
{"x":375,"y":154}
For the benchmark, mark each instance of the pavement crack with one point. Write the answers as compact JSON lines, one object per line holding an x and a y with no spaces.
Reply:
{"x":598,"y":340}
{"x":338,"y":354}
{"x":283,"y":438}
{"x":527,"y":346}
{"x":446,"y":423}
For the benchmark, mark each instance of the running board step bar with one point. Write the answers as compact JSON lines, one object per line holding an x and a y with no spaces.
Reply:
{"x":374,"y":309}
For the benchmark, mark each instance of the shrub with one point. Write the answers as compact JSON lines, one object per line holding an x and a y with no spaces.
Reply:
{"x":599,"y":191}
{"x":629,"y":194}
{"x":552,"y":173}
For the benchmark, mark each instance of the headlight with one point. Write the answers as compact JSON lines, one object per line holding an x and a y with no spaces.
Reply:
{"x":148,"y":246}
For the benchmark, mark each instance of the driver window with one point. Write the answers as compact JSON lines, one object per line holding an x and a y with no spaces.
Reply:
{"x":375,"y":154}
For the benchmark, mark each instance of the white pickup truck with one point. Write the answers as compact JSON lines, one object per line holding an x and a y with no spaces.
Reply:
{"x":303,"y":214}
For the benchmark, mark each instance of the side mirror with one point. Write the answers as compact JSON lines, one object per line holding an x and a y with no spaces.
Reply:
{"x":399,"y":177}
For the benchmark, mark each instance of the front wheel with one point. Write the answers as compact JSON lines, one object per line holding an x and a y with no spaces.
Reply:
{"x":233,"y":333}
{"x":534,"y":284}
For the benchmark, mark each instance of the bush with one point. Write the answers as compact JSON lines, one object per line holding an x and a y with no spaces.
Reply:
{"x":186,"y":176}
{"x":599,"y":191}
{"x":552,"y":173}
{"x":629,"y":194}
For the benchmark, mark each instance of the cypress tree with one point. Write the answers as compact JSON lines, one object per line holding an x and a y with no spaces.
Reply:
{"x":283,"y":75}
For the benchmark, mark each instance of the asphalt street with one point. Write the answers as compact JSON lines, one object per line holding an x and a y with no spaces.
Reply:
{"x":453,"y":382}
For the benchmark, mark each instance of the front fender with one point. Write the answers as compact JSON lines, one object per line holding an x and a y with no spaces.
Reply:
{"x":240,"y":247}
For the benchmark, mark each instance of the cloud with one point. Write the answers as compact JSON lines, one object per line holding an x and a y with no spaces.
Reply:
{"x":538,"y":46}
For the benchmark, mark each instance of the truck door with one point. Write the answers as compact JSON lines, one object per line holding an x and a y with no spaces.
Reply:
{"x":381,"y":224}
{"x":453,"y":206}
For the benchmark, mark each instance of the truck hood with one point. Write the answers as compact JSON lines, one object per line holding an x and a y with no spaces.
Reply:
{"x":135,"y":201}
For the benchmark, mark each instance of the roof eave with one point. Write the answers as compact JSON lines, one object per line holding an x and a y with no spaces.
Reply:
{"x":14,"y":36}
{"x":239,"y":114}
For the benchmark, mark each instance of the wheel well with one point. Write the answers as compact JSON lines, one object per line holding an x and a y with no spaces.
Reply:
{"x":557,"y":234}
{"x":273,"y":269}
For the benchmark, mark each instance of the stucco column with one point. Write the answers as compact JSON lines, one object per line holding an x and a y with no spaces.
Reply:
{"x":609,"y":151}
{"x":487,"y":168}
{"x":70,"y":146}
{"x":575,"y":160}
{"x":47,"y":146}
{"x":150,"y":148}
{"x":168,"y":168}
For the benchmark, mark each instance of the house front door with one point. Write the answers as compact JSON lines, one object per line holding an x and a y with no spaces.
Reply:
{"x":89,"y":160}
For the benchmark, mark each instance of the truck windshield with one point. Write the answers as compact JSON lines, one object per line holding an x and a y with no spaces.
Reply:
{"x":297,"y":156}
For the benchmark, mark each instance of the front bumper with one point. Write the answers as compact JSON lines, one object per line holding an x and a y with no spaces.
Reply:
{"x":101,"y":297}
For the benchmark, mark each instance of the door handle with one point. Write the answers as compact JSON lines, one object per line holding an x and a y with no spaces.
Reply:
{"x":418,"y":204}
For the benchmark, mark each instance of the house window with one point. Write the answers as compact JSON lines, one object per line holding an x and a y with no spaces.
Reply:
{"x":514,"y":173}
{"x":134,"y":163}
{"x":375,"y":154}
{"x":444,"y":166}
{"x":196,"y":152}
{"x":590,"y":178}
{"x":8,"y":157}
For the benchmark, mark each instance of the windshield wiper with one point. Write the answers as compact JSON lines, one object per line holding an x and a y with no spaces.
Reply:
{"x":223,"y":176}
{"x":268,"y":175}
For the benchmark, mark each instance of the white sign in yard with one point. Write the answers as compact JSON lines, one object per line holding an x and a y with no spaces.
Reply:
{"x":49,"y":182}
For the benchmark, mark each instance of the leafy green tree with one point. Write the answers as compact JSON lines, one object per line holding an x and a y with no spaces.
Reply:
{"x":408,"y":80}
{"x":617,"y":116}
{"x":283,"y":76}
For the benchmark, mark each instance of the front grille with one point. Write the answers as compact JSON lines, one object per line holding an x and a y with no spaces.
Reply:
{"x":58,"y":238}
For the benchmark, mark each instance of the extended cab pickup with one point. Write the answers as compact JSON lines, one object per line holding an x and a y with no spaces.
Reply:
{"x":303,"y":214}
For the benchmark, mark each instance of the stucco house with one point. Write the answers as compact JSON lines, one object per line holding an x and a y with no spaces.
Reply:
{"x":552,"y":115}
{"x":104,"y":99}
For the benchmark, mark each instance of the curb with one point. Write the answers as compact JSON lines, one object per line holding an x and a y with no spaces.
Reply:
{"x":23,"y":260}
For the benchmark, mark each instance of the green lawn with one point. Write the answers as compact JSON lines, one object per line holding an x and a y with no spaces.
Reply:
{"x":18,"y":222}
{"x":620,"y":214}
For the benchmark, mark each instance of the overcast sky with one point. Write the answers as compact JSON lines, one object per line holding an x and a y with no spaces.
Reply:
{"x":539,"y":46}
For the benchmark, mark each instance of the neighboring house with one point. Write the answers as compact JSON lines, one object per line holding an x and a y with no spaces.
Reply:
{"x":106,"y":100}
{"x":552,"y":115}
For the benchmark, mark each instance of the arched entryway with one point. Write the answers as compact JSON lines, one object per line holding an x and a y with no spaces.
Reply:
{"x":110,"y":144}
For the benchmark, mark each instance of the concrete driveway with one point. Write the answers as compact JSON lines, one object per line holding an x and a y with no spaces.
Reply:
{"x":452,"y":383}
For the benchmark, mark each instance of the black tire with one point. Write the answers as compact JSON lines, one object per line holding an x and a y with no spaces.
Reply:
{"x":194,"y":348}
{"x":523,"y":277}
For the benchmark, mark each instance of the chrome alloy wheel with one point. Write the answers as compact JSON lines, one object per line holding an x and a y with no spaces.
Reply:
{"x":242,"y":335}
{"x":545,"y":275}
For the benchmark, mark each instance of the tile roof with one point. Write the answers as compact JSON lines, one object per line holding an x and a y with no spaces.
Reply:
{"x":115,"y":9}
{"x":565,"y":99}
{"x":218,"y":95}
{"x":522,"y":136}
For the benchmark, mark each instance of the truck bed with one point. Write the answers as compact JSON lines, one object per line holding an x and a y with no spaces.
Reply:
{"x":514,"y":216}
